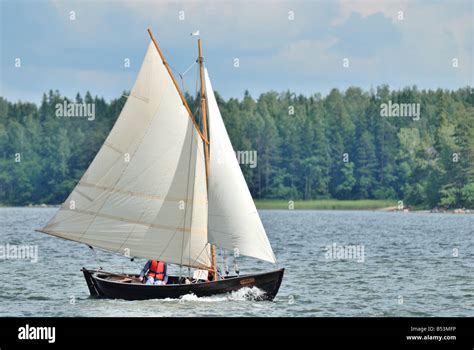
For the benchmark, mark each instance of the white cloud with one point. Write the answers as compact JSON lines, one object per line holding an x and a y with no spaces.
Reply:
{"x":389,"y":8}
{"x":275,"y":53}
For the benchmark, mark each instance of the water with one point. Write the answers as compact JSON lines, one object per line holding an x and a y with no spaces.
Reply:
{"x":409,"y":268}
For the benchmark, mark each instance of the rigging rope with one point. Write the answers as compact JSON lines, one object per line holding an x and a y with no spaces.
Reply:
{"x":181,"y":75}
{"x":197,"y":96}
{"x":236,"y":265}
{"x":226,"y":267}
{"x":96,"y":256}
{"x":191,"y":66}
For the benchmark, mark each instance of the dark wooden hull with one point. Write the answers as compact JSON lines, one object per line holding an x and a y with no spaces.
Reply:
{"x":101,"y":284}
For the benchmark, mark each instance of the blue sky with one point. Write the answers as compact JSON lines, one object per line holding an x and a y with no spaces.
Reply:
{"x":304,"y":55}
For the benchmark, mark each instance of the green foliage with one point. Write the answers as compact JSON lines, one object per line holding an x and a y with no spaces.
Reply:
{"x":344,"y":189}
{"x":333,"y":147}
{"x":467,"y":195}
{"x":449,"y":197}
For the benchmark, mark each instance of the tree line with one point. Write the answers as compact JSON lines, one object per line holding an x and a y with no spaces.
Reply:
{"x":345,"y":145}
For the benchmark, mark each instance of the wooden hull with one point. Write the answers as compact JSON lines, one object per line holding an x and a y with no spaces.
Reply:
{"x":101,"y":284}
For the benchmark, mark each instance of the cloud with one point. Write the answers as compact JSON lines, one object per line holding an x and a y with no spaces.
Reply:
{"x":276,"y":53}
{"x":365,"y":36}
{"x":389,"y":8}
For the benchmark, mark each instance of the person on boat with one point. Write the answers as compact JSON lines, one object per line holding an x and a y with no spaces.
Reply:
{"x":155,"y":272}
{"x":210,"y":275}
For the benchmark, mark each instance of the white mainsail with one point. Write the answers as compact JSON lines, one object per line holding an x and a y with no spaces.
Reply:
{"x":234,"y":222}
{"x":145,"y":192}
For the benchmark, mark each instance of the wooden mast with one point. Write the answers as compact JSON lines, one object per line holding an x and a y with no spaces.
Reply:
{"x":206,"y":145}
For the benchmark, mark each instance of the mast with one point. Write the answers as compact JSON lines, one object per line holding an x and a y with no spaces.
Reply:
{"x":206,"y":145}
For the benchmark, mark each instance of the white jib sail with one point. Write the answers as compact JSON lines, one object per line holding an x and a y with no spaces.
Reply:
{"x":144,"y":195}
{"x":234,"y":222}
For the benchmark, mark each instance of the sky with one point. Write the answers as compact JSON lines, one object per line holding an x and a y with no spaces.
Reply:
{"x":79,"y":46}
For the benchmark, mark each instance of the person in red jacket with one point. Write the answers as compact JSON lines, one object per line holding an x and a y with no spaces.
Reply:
{"x":155,"y":272}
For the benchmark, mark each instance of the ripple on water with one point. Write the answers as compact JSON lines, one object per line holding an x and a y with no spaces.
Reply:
{"x":405,"y":255}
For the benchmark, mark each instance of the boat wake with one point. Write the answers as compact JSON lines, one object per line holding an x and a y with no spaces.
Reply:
{"x":243,"y":294}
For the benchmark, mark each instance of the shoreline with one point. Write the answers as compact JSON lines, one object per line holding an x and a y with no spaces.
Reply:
{"x":382,"y":205}
{"x":354,"y":205}
{"x":325,"y":204}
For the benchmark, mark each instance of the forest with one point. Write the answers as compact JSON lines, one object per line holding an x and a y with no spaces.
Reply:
{"x":347,"y":145}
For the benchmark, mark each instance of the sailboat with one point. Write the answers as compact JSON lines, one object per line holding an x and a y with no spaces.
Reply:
{"x":168,"y":188}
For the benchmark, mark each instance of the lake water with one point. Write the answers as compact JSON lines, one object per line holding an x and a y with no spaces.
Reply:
{"x":413,"y":264}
